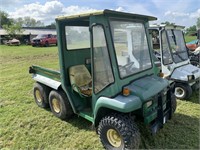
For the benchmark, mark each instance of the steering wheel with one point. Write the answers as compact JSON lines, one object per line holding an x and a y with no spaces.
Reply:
{"x":126,"y":67}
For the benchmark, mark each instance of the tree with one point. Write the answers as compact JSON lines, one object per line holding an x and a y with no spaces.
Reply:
{"x":51,"y":26}
{"x":191,"y":30}
{"x":4,"y":19}
{"x":30,"y":22}
{"x":13,"y":30}
{"x":167,"y":23}
{"x":198,"y":23}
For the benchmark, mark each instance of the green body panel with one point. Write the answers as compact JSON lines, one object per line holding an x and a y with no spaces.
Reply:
{"x":147,"y":87}
{"x":120,"y":103}
{"x":142,"y":90}
{"x":52,"y":74}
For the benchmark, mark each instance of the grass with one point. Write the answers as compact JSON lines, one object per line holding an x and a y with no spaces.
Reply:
{"x":23,"y":125}
{"x":190,"y":38}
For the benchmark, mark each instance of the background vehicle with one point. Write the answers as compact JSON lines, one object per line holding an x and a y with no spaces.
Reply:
{"x":14,"y":42}
{"x":169,"y":46}
{"x":194,"y":50}
{"x":107,"y":80}
{"x":44,"y":40}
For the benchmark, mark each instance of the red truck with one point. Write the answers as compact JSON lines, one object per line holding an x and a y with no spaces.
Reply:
{"x":44,"y":40}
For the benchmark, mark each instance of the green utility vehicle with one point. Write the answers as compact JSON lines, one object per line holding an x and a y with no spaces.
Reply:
{"x":106,"y":76}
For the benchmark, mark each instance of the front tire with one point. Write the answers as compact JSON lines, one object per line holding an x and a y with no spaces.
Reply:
{"x":60,"y":105}
{"x":182,"y":91}
{"x":173,"y":103}
{"x":118,"y":131}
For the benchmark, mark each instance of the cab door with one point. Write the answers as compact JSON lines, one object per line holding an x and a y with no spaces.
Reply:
{"x":104,"y":83}
{"x":166,"y":57}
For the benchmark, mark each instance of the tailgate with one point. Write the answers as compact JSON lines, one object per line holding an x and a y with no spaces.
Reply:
{"x":46,"y":76}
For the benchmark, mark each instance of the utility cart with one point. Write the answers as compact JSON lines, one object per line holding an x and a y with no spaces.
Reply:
{"x":169,"y":47}
{"x":107,"y":76}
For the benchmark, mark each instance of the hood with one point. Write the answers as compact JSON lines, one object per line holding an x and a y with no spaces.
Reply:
{"x":148,"y":86}
{"x":181,"y":73}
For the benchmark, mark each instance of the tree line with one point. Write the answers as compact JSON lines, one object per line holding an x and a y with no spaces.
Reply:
{"x":15,"y":26}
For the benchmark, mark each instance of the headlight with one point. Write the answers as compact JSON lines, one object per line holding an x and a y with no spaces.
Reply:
{"x":40,"y":40}
{"x":149,"y":103}
{"x":190,"y":77}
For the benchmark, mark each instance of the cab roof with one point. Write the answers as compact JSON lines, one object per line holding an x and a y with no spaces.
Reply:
{"x":156,"y":26}
{"x":105,"y":12}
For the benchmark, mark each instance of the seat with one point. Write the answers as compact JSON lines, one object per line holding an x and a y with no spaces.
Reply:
{"x":81,"y":80}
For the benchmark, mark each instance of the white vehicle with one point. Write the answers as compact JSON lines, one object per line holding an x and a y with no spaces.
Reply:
{"x":169,"y":47}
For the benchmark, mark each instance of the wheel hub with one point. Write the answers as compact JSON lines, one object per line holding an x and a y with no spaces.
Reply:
{"x":114,"y":138}
{"x":56,"y":105}
{"x":38,"y":96}
{"x":179,"y":92}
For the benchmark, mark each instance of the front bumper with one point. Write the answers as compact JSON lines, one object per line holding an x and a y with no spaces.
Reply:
{"x":160,"y":111}
{"x":196,"y":86}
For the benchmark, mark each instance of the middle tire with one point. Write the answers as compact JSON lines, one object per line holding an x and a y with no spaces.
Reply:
{"x":118,"y":131}
{"x":60,"y":105}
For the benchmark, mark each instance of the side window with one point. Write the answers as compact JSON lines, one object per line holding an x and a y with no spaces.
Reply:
{"x":166,"y":55}
{"x":103,"y":75}
{"x":77,"y":37}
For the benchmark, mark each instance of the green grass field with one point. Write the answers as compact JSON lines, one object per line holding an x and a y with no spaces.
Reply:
{"x":190,"y":38}
{"x":23,"y":125}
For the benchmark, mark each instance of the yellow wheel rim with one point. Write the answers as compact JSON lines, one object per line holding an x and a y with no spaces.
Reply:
{"x":114,"y":138}
{"x":56,"y":105}
{"x":38,"y":96}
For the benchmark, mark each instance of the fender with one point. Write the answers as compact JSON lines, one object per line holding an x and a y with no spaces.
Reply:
{"x":120,"y":103}
{"x":46,"y":81}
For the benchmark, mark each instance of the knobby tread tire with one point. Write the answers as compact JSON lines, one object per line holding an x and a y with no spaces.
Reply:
{"x":173,"y":103}
{"x":126,"y":128}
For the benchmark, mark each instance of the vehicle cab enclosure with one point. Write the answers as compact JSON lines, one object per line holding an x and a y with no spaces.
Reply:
{"x":169,"y":47}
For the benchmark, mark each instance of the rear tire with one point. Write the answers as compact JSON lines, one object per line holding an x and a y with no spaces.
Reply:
{"x":182,"y":91}
{"x":40,"y":93}
{"x":118,"y":131}
{"x":60,"y":105}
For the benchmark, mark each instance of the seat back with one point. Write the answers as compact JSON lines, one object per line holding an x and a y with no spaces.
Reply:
{"x":80,"y":80}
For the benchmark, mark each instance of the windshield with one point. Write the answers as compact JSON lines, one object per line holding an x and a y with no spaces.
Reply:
{"x":177,"y":45}
{"x":41,"y":36}
{"x":131,"y":47}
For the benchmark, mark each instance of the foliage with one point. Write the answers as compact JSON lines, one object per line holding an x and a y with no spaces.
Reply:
{"x":4,"y":19}
{"x":29,"y":22}
{"x":23,"y":125}
{"x":13,"y":30}
{"x":51,"y":26}
{"x":167,"y":23}
{"x":191,"y":30}
{"x":198,"y":23}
